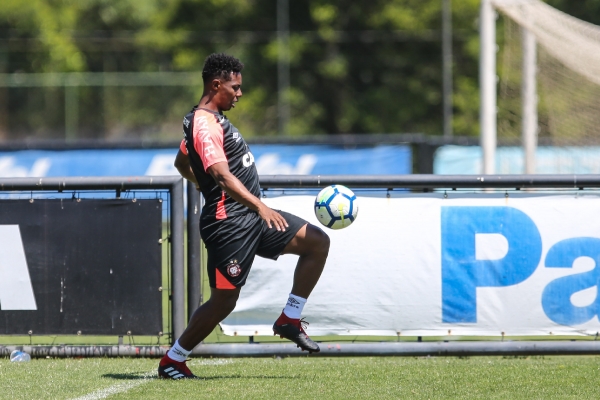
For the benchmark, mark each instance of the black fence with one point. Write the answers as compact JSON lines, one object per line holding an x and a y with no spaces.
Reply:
{"x":94,"y":266}
{"x":90,"y":266}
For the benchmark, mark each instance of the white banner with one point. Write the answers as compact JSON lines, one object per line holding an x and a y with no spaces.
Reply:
{"x":418,"y":265}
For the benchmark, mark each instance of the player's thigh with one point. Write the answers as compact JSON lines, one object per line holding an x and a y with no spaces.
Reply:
{"x":230,"y":258}
{"x":309,"y":239}
{"x":274,"y":242}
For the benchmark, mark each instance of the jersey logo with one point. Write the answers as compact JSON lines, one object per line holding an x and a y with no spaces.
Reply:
{"x":248,"y":159}
{"x":236,"y":136}
{"x":209,"y":148}
{"x":184,"y":137}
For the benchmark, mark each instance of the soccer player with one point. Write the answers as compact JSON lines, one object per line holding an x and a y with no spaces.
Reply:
{"x":235,"y":224}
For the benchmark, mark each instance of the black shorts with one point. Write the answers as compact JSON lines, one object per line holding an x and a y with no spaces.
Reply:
{"x":230,"y":257}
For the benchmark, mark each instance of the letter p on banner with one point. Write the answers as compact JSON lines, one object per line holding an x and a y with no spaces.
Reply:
{"x":16,"y":292}
{"x":463,"y":272}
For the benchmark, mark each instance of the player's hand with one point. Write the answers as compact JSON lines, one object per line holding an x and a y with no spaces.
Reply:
{"x":272,"y":218}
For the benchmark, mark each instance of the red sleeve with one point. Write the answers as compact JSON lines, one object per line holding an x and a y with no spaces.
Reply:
{"x":183,"y":148}
{"x":208,"y":139}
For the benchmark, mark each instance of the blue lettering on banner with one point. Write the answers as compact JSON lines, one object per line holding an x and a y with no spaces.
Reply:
{"x":556,"y":298}
{"x":462,"y":273}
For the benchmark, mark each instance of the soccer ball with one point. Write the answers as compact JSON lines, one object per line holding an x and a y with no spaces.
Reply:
{"x":336,"y":207}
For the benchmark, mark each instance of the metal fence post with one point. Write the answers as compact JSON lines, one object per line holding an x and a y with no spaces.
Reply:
{"x":177,"y":260}
{"x":193,"y":249}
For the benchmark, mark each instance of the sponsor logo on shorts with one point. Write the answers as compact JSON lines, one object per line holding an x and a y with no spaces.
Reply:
{"x":233,"y":269}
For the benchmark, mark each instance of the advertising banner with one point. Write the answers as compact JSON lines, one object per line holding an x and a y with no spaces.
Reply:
{"x":458,"y":160}
{"x":80,"y":267}
{"x":436,"y":264}
{"x":270,"y":160}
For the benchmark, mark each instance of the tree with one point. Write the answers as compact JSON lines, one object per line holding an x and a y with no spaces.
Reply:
{"x":357,"y":66}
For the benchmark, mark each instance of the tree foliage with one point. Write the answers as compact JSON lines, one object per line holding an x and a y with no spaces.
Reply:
{"x":356,"y":66}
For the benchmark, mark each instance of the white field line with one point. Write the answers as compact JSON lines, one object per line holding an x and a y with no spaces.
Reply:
{"x":126,"y":386}
{"x":210,"y":361}
{"x":118,"y":388}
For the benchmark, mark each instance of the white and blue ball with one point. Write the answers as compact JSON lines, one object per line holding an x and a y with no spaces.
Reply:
{"x":336,"y":207}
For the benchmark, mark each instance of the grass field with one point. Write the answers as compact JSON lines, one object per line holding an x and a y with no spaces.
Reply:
{"x":309,"y":378}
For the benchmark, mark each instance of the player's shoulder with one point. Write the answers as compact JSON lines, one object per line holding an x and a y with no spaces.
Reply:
{"x":188,"y":118}
{"x":209,"y":120}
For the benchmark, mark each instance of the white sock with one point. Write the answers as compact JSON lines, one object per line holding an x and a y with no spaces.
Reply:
{"x":178,"y":353}
{"x":294,"y":306}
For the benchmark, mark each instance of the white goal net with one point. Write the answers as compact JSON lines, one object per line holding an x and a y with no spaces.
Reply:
{"x":568,"y":73}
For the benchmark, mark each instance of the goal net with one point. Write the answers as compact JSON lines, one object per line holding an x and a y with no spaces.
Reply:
{"x":568,"y":74}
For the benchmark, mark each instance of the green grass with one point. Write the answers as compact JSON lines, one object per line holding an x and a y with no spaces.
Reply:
{"x":310,"y":378}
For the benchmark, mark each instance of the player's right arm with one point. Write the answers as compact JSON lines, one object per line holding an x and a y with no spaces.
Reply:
{"x":237,"y":191}
{"x":182,"y":163}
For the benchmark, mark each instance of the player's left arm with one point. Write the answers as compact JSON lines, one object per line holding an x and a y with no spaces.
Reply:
{"x":182,"y":163}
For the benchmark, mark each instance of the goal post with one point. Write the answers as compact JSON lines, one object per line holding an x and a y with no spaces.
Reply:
{"x":549,"y":79}
{"x":529,"y":96}
{"x":487,"y":85}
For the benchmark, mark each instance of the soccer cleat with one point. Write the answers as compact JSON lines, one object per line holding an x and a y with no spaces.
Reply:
{"x":293,"y":329}
{"x":171,"y":369}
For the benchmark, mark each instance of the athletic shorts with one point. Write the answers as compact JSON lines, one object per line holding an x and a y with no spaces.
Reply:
{"x":230,"y":257}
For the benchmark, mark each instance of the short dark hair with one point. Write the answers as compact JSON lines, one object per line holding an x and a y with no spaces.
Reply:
{"x":220,"y":65}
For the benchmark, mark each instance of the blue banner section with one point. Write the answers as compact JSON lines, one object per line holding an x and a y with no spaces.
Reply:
{"x":270,"y":160}
{"x":456,"y":160}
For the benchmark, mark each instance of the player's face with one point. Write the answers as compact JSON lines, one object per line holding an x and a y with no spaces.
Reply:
{"x":230,"y":92}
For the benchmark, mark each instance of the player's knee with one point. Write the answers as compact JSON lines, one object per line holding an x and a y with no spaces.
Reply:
{"x":225,"y":300}
{"x":321,"y":241}
{"x":229,"y":304}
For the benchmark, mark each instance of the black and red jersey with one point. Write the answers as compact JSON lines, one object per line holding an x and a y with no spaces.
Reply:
{"x":210,"y":138}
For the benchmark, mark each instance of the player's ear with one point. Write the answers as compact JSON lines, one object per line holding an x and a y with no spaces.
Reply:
{"x":215,"y":84}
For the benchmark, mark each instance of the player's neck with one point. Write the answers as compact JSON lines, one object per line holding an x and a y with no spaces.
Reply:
{"x":207,"y":103}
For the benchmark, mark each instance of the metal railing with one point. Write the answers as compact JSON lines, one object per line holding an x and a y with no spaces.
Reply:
{"x":194,"y":295}
{"x":431,"y":182}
